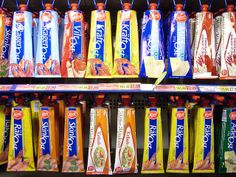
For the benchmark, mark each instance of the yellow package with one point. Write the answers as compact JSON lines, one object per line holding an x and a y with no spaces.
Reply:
{"x":61,"y":121}
{"x":153,"y":143}
{"x":178,"y":158}
{"x":126,"y":144}
{"x":126,"y":57}
{"x":73,"y":159}
{"x":21,"y":155}
{"x":34,"y":106}
{"x":100,"y":61}
{"x":204,"y":142}
{"x":5,"y":120}
{"x":47,"y":146}
{"x":99,"y":158}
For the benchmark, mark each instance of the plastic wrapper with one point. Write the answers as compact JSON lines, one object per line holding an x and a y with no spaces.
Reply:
{"x":35,"y":36}
{"x":21,"y":153}
{"x":204,"y":141}
{"x":227,"y":162}
{"x":179,"y":47}
{"x":178,"y":158}
{"x":153,"y":143}
{"x":21,"y":53}
{"x":47,"y":146}
{"x":47,"y":57}
{"x":100,"y":60}
{"x":152,"y":45}
{"x":5,"y":40}
{"x":5,"y":120}
{"x":192,"y":24}
{"x":99,"y":159}
{"x":126,"y":143}
{"x":74,"y":56}
{"x":204,"y":55}
{"x":73,"y":160}
{"x":228,"y":55}
{"x":218,"y":39}
{"x":126,"y":56}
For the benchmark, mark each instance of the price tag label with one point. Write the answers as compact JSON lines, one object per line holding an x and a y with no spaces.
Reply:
{"x":24,"y":88}
{"x":40,"y":88}
{"x":181,"y":88}
{"x":5,"y":88}
{"x":225,"y":89}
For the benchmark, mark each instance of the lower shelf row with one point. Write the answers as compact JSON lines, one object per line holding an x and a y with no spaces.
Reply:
{"x":40,"y":129}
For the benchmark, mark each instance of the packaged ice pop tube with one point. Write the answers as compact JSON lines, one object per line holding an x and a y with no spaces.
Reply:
{"x":47,"y":146}
{"x":34,"y":106}
{"x":204,"y":55}
{"x":5,"y":40}
{"x":178,"y":158}
{"x":21,"y":53}
{"x":5,"y":120}
{"x":126,"y":56}
{"x":21,"y":153}
{"x":179,"y":46}
{"x":74,"y":52}
{"x":99,"y":159}
{"x":204,"y":141}
{"x":218,"y":39}
{"x":192,"y":24}
{"x":100,"y":60}
{"x":227,"y":162}
{"x":126,"y":143}
{"x":153,"y":143}
{"x":73,"y":160}
{"x":152,"y":44}
{"x":47,"y":57}
{"x":35,"y":35}
{"x":228,"y":55}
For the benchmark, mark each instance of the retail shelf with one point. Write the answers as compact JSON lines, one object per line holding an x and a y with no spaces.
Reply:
{"x":119,"y":87}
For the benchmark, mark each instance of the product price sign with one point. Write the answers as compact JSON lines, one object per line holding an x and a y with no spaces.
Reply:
{"x":207,"y":88}
{"x":164,"y":88}
{"x":129,"y":86}
{"x":4,"y":88}
{"x":181,"y":88}
{"x":226,"y":89}
{"x":29,"y":88}
{"x":40,"y":88}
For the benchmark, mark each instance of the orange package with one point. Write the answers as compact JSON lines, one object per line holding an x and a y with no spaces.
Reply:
{"x":74,"y":52}
{"x":99,"y":146}
{"x":73,"y":160}
{"x":47,"y":147}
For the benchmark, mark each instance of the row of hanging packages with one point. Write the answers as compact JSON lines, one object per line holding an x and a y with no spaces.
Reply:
{"x":47,"y":128}
{"x":200,"y":46}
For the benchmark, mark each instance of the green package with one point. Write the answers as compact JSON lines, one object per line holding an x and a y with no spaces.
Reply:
{"x":227,"y":162}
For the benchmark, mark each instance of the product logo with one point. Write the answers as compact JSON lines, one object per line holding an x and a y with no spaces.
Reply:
{"x":101,"y":15}
{"x":155,"y":15}
{"x":208,"y":114}
{"x":76,"y":16}
{"x":180,"y":115}
{"x":181,"y":17}
{"x":72,"y":114}
{"x":45,"y":114}
{"x":17,"y":114}
{"x":125,"y":16}
{"x":232,"y":115}
{"x":8,"y":21}
{"x":46,"y":16}
{"x":20,"y":17}
{"x":152,"y":115}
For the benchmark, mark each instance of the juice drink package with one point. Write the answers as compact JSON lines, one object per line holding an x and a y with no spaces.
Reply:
{"x":74,"y":56}
{"x":100,"y":60}
{"x":47,"y":57}
{"x":21,"y":53}
{"x":5,"y":120}
{"x":21,"y":153}
{"x":228,"y":55}
{"x":179,"y":46}
{"x":34,"y":106}
{"x":204,"y":141}
{"x":35,"y":35}
{"x":204,"y":55}
{"x":126,"y":57}
{"x":178,"y":158}
{"x":126,"y":144}
{"x":153,"y":143}
{"x":218,"y":39}
{"x":47,"y":147}
{"x":5,"y":40}
{"x":99,"y":159}
{"x":227,"y":142}
{"x":152,"y":44}
{"x":73,"y":160}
